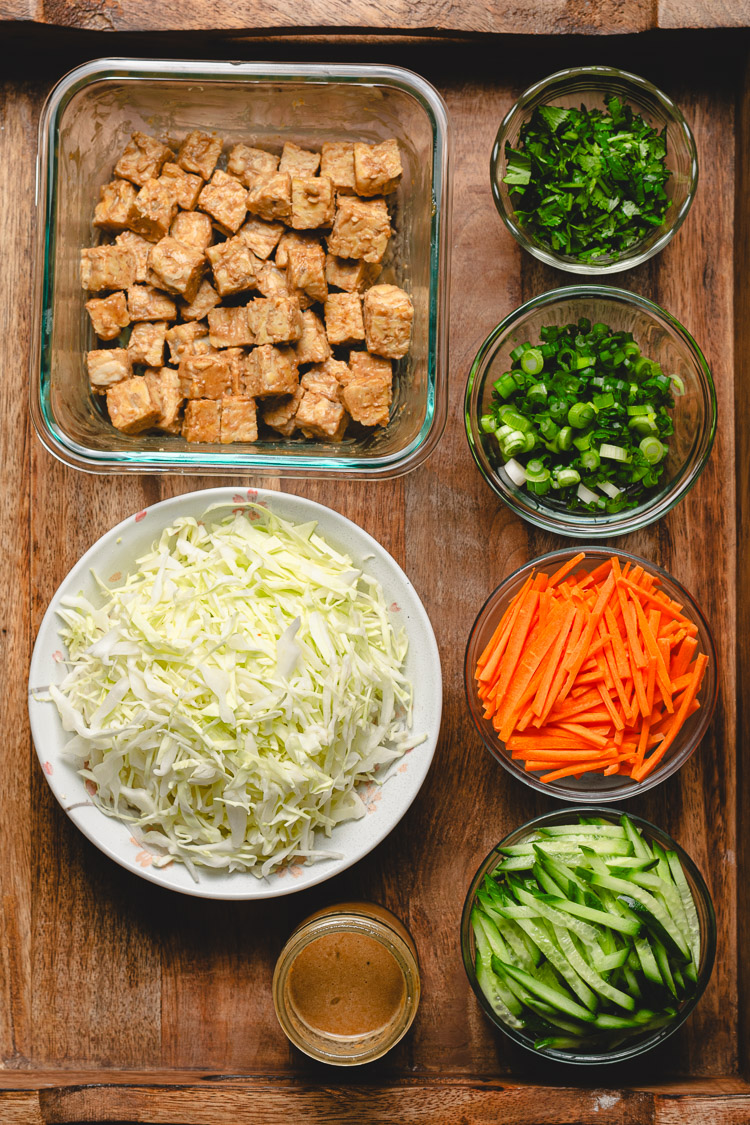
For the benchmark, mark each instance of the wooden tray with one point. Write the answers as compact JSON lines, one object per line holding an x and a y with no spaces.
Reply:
{"x":120,"y":1002}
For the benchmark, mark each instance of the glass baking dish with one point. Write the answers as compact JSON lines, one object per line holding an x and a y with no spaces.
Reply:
{"x":85,"y":124}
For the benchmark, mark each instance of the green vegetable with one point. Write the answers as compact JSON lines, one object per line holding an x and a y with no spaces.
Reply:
{"x":587,"y":408}
{"x":587,"y":929}
{"x":589,"y":183}
{"x":226,"y":699}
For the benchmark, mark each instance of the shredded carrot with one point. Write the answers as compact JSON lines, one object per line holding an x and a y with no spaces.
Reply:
{"x":591,"y":671}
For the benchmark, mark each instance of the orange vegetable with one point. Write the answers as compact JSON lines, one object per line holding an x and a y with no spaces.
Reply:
{"x":589,"y":671}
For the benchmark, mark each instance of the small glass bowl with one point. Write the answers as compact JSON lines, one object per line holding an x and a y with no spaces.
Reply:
{"x":662,"y":338}
{"x":592,"y":786}
{"x":593,"y":86}
{"x":706,"y":918}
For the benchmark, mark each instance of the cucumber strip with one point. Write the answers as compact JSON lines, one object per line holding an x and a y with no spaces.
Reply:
{"x":551,"y":1016}
{"x":628,"y":865}
{"x":649,"y":967}
{"x":689,"y":906}
{"x":546,"y":882}
{"x":645,"y":899}
{"x":640,"y":847}
{"x":570,"y":846}
{"x":632,"y":981}
{"x":612,"y":1022}
{"x":589,"y":975}
{"x":669,"y":893}
{"x":662,"y":960}
{"x":560,"y":871}
{"x":559,"y":1043}
{"x":583,"y":830}
{"x":515,"y":863}
{"x":678,"y":979}
{"x":491,"y":933}
{"x":498,"y":995}
{"x":676,"y":909}
{"x":623,"y":925}
{"x":544,"y":910}
{"x":561,"y":963}
{"x":606,"y":962}
{"x":552,"y":996}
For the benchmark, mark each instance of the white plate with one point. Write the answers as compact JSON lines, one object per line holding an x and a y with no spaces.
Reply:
{"x":112,"y":557}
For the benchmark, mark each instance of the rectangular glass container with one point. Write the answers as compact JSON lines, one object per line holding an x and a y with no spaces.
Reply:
{"x":85,"y":124}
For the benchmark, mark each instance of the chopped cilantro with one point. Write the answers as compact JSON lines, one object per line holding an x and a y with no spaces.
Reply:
{"x":589,"y":183}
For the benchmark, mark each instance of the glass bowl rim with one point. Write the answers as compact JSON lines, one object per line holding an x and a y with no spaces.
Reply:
{"x":290,"y":463}
{"x":674,"y":763}
{"x":708,"y":936}
{"x":605,"y":74}
{"x":631,"y":519}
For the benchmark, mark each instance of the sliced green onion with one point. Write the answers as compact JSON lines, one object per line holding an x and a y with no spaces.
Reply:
{"x":515,"y":471}
{"x":590,"y":459}
{"x":565,"y":438}
{"x":488,"y":423}
{"x":652,"y":449}
{"x":565,"y":478}
{"x":581,"y":415}
{"x":614,"y":452}
{"x":588,"y":497}
{"x":532,"y":361}
{"x":609,"y":489}
{"x":677,"y":384}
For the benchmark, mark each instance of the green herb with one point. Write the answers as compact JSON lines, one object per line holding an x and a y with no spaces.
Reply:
{"x":589,"y":183}
{"x":583,"y":418}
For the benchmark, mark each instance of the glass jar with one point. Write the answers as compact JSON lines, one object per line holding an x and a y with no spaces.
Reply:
{"x":346,"y":985}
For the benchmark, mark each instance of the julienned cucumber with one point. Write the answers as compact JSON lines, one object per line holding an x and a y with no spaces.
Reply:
{"x":586,"y":935}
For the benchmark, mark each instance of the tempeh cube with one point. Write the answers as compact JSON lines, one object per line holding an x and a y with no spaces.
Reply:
{"x":146,"y":343}
{"x":350,"y":274}
{"x":176,"y":267}
{"x":294,"y":238}
{"x":361,"y":228}
{"x":337,"y":162}
{"x":248,"y":163}
{"x":131,"y":408}
{"x":107,"y":267}
{"x":234,"y":265}
{"x":312,"y":202}
{"x":238,"y":419}
{"x":298,"y":161}
{"x":229,"y":328}
{"x":388,"y":318}
{"x":141,"y":249}
{"x":224,"y":199}
{"x":312,"y":346}
{"x":237,"y":359}
{"x":270,"y":196}
{"x":109,"y":315}
{"x":205,"y":299}
{"x":322,"y":379}
{"x":202,"y":421}
{"x":377,"y":168}
{"x":188,"y":339}
{"x":193,"y":229}
{"x":261,"y":236}
{"x":271,"y":280}
{"x":270,"y":370}
{"x":369,"y":395}
{"x":113,"y":209}
{"x":276,"y":319}
{"x":318,"y":416}
{"x":147,"y":303}
{"x":343,"y":316}
{"x":185,"y":187}
{"x":306,"y":269}
{"x":142,"y":159}
{"x":107,"y":366}
{"x":164,"y":386}
{"x":279,"y":413}
{"x":199,"y":153}
{"x":206,"y":376}
{"x":152,"y":210}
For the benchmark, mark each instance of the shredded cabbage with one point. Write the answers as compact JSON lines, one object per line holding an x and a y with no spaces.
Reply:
{"x":227,"y":698}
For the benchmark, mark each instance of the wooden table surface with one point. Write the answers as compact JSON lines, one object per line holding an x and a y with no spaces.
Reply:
{"x":119,"y":1001}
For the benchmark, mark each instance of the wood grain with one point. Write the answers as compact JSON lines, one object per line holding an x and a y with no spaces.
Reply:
{"x":532,"y":17}
{"x":101,"y":972}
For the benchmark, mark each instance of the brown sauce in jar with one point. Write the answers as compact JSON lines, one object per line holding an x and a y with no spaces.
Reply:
{"x":346,"y":984}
